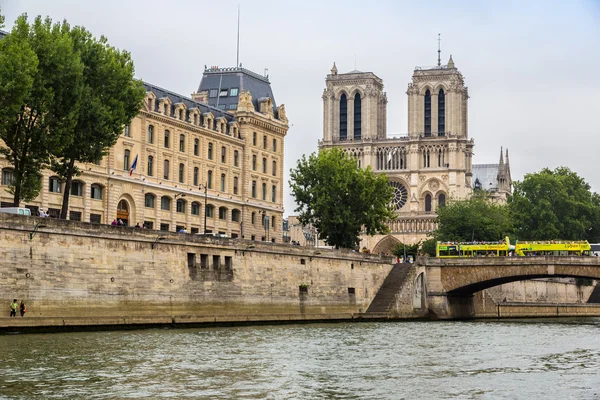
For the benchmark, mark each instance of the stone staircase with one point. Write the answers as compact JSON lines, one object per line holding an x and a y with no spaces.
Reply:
{"x":386,"y":296}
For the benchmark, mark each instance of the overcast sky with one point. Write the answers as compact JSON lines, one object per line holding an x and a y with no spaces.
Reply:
{"x":531,"y":66}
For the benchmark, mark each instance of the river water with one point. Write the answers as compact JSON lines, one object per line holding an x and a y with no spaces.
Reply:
{"x":525,"y":359}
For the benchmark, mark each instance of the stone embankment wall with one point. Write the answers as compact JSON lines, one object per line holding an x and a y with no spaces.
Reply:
{"x":72,"y":269}
{"x":565,"y":290}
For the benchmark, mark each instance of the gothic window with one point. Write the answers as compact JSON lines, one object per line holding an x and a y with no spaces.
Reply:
{"x":427,"y":113}
{"x":428,"y":203}
{"x":357,"y":116}
{"x":442,"y":200}
{"x":441,"y":113}
{"x":343,"y":117}
{"x":426,"y":158}
{"x":400,"y":195}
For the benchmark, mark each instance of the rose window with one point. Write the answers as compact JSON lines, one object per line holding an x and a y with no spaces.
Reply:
{"x":400,"y":195}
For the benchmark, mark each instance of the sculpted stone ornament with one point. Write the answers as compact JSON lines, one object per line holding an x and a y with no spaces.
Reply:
{"x":281,"y":113}
{"x":245,"y":101}
{"x":434,"y":185}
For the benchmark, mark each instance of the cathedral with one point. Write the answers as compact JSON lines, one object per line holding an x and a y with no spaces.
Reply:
{"x":428,"y":166}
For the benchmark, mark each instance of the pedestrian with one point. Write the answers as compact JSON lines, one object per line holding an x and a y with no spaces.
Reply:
{"x":13,"y":308}
{"x":120,"y":222}
{"x":22,"y":308}
{"x":137,"y":225}
{"x":114,"y":222}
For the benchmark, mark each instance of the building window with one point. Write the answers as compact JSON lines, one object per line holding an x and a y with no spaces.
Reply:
{"x":8,"y":177}
{"x":209,"y":179}
{"x":53,"y":184}
{"x":343,"y":117}
{"x":77,"y":188}
{"x":210,"y":151}
{"x":265,"y":142}
{"x":235,"y":215}
{"x":196,"y":146}
{"x":195,"y":208}
{"x":235,"y":185}
{"x":427,"y":122}
{"x":96,"y":191}
{"x":126,"y":156}
{"x":253,"y":162}
{"x":264,"y":165}
{"x":273,"y":193}
{"x":254,"y":189}
{"x":182,"y":143}
{"x":196,"y":176}
{"x":181,"y":172}
{"x":274,"y":144}
{"x":213,"y":92}
{"x":223,"y":154}
{"x":357,"y":116}
{"x":210,"y":211}
{"x":273,"y":222}
{"x":442,"y":200}
{"x":223,"y":93}
{"x":274,"y":168}
{"x":95,"y":218}
{"x":167,"y":137}
{"x":150,"y":169}
{"x":236,"y":156}
{"x":165,"y":203}
{"x":164,"y":227}
{"x":254,"y":138}
{"x":166,"y":169}
{"x":253,"y":218}
{"x":75,"y":215}
{"x":441,"y":113}
{"x":180,"y":206}
{"x":151,"y":134}
{"x":233,"y":92}
{"x":426,"y":159}
{"x":264,"y":191}
{"x":232,"y":106}
{"x":222,"y":213}
{"x":149,"y":200}
{"x":222,"y":182}
{"x":428,"y":203}
{"x":127,"y":131}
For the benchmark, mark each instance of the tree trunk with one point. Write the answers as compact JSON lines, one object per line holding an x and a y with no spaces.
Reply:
{"x":66,"y":194}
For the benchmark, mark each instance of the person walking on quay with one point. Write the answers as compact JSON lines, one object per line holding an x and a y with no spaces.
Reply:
{"x":22,"y":308}
{"x":13,"y":308}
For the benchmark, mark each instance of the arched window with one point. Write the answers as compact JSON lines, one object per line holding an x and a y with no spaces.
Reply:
{"x":236,"y":156}
{"x":427,"y":127}
{"x":210,"y":151}
{"x":195,"y":208}
{"x":166,"y":169}
{"x":442,"y":200}
{"x":149,"y":199}
{"x":196,"y":146}
{"x":274,"y":168}
{"x":357,"y":116}
{"x":254,"y":162}
{"x":209,"y":179}
{"x":235,"y":215}
{"x":126,"y":156}
{"x":210,"y":211}
{"x":264,"y":165}
{"x":96,"y":192}
{"x":151,"y":134}
{"x":235,"y":185}
{"x":254,"y":189}
{"x":167,"y":138}
{"x":180,"y":206}
{"x":53,"y":184}
{"x":150,"y":169}
{"x":222,"y":182}
{"x":77,"y":188}
{"x":223,"y":154}
{"x":343,"y":117}
{"x":165,"y":203}
{"x":222,"y":213}
{"x":426,"y":159}
{"x":196,"y":176}
{"x":182,"y":143}
{"x":441,"y":113}
{"x":428,"y":203}
{"x":181,"y":172}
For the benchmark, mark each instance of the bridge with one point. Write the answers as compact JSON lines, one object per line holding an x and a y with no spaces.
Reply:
{"x":444,"y":288}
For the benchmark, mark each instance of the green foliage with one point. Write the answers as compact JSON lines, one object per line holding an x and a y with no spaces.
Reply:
{"x":39,"y":93}
{"x":109,"y":100}
{"x":339,"y":198}
{"x":428,"y":247}
{"x":411,"y":249}
{"x":476,"y":218}
{"x":555,"y":204}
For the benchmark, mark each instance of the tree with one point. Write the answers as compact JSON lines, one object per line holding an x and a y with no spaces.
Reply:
{"x":477,"y":218}
{"x":555,"y":204}
{"x":410,"y":249}
{"x":109,"y":100}
{"x":428,"y":247}
{"x":339,"y":199}
{"x":39,"y":92}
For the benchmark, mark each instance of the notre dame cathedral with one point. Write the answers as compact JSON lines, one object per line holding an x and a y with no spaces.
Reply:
{"x":428,"y":166}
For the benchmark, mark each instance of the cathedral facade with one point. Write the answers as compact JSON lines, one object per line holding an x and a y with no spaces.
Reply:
{"x":429,"y":165}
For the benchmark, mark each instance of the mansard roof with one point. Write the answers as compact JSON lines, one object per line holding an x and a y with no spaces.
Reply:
{"x":189,"y":103}
{"x":486,"y":175}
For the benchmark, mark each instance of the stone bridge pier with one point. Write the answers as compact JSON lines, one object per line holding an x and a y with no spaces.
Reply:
{"x":451,"y":283}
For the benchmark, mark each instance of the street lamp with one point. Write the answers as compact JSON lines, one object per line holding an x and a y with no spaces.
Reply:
{"x":205,"y":187}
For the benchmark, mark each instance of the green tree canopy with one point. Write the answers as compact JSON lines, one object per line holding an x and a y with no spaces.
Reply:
{"x":110,"y":99}
{"x":339,"y":198}
{"x":477,"y":218}
{"x":39,"y":99}
{"x":555,"y":204}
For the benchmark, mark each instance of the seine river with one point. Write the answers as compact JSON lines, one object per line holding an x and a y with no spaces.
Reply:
{"x":528,"y":359}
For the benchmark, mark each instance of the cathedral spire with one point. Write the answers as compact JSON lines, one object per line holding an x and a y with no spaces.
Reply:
{"x":334,"y":69}
{"x":451,"y":62}
{"x":501,"y":158}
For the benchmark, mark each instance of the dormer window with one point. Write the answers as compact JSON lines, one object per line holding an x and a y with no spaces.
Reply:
{"x":213,"y":93}
{"x":181,"y":115}
{"x":233,"y":92}
{"x":223,"y":92}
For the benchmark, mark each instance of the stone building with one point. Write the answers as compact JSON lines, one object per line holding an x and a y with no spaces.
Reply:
{"x":494,"y":179}
{"x":429,"y":165}
{"x":214,"y":159}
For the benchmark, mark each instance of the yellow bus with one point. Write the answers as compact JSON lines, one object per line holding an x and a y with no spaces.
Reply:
{"x":474,"y":249}
{"x":553,"y":248}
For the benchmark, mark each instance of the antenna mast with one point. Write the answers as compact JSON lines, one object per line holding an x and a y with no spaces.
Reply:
{"x":237,"y":61}
{"x":439,"y":51}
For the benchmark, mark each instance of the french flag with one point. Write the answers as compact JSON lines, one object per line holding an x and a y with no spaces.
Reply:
{"x":133,"y":166}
